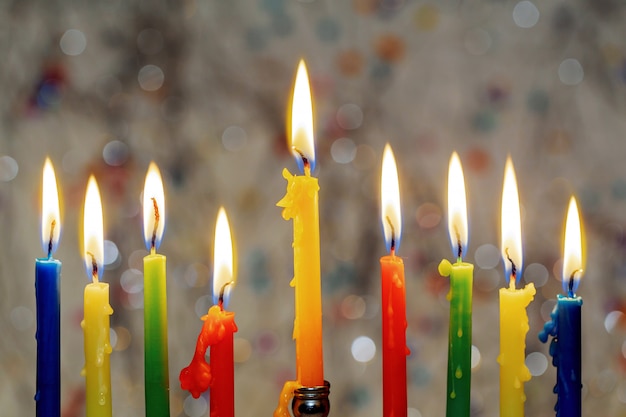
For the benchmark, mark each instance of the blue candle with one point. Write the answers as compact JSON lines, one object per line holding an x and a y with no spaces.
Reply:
{"x":47,"y":285}
{"x":564,"y":324}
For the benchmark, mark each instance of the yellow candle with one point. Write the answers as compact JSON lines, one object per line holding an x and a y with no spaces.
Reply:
{"x":301,"y":204}
{"x":97,"y":370}
{"x":513,"y":303}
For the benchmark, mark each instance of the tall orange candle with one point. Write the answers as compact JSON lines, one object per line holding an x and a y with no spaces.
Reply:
{"x":301,"y":204}
{"x":393,"y":304}
{"x":513,"y":303}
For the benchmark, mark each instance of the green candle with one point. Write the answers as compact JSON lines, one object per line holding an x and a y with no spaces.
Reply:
{"x":460,"y":297}
{"x":156,"y":371}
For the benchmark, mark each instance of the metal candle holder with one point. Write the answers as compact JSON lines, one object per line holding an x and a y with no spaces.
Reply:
{"x":311,"y":401}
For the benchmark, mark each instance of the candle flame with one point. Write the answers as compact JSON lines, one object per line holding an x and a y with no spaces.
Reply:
{"x":390,"y":213}
{"x":223,"y":260}
{"x":50,"y":213}
{"x":93,"y":235}
{"x":457,"y":207}
{"x":301,"y":135}
{"x":573,"y":264}
{"x":511,"y":229}
{"x":153,"y":208}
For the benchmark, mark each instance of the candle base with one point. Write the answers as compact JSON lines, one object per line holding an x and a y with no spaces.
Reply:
{"x":311,"y":401}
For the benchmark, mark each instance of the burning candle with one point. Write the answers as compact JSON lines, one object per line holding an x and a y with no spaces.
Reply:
{"x":96,"y":327}
{"x":393,"y":305}
{"x":565,"y":323}
{"x":47,"y":294}
{"x":460,"y":296}
{"x":156,"y":371}
{"x":301,"y":204}
{"x":217,"y":332}
{"x":513,"y":303}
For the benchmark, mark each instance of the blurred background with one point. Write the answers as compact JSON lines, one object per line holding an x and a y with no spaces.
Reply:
{"x":202,"y":88}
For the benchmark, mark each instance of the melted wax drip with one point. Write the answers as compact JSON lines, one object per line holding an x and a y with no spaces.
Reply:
{"x":551,"y":329}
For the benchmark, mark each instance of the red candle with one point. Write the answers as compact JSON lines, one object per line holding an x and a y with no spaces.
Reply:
{"x":217,"y":332}
{"x":393,"y":303}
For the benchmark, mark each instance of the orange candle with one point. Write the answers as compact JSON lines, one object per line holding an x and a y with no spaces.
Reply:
{"x":393,"y":305}
{"x":301,"y":204}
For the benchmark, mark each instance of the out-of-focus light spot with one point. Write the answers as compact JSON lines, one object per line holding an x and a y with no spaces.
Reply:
{"x":477,"y":41}
{"x":353,"y":307}
{"x":266,"y":343}
{"x":525,"y":14}
{"x":150,"y":41}
{"x":571,"y":72}
{"x":203,"y":304}
{"x":135,"y":300}
{"x":365,"y":157}
{"x":476,"y":357}
{"x":196,"y":275}
{"x":488,"y":279}
{"x":487,"y":256}
{"x":343,"y":150}
{"x":537,"y":363}
{"x":603,"y":383}
{"x":537,"y":274}
{"x":73,"y":42}
{"x":546,"y":309}
{"x":428,"y":215}
{"x":135,"y":260}
{"x":413,"y":412}
{"x":112,"y":337}
{"x":151,"y":77}
{"x":234,"y":138}
{"x":115,"y":153}
{"x":242,"y":350}
{"x":612,"y":319}
{"x":131,"y":281}
{"x":22,"y":318}
{"x":349,"y":116}
{"x":363,"y":349}
{"x":557,"y":269}
{"x":8,"y":168}
{"x":111,"y":253}
{"x":195,"y":407}
{"x":123,"y":338}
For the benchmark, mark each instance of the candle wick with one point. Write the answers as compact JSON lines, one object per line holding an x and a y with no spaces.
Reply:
{"x":460,"y":245}
{"x":392,"y":247}
{"x":53,"y":223}
{"x":305,"y":161}
{"x":94,"y":267}
{"x":513,"y":268}
{"x":157,"y":217}
{"x":570,"y":284}
{"x":220,"y":300}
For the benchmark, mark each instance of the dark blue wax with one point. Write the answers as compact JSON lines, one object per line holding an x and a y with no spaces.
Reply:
{"x":47,"y":286}
{"x":565,"y":348}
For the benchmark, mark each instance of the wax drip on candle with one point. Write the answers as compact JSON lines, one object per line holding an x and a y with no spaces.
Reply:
{"x":94,"y":266}
{"x":157,"y":217}
{"x":513,"y":270}
{"x":53,"y":223}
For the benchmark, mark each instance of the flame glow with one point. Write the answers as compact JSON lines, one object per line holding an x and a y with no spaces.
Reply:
{"x":573,"y":264}
{"x":511,"y":228}
{"x":302,"y":141}
{"x":153,"y":195}
{"x":223,"y":259}
{"x":93,"y":234}
{"x":50,"y":213}
{"x":457,"y":207}
{"x":390,"y":214}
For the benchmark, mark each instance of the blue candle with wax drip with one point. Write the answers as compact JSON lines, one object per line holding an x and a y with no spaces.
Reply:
{"x":565,"y":324}
{"x":47,"y":293}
